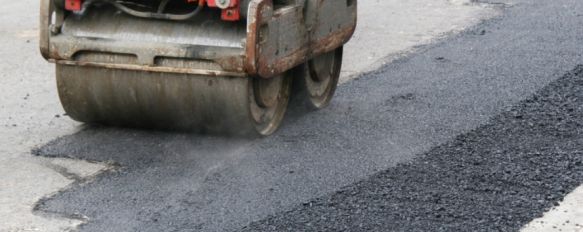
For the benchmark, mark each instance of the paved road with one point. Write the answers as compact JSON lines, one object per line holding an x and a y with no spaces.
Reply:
{"x":497,"y":177}
{"x":31,"y":115}
{"x":378,"y":122}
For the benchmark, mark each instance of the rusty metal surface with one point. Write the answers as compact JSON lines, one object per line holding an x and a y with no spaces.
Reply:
{"x":289,"y":35}
{"x":44,"y":22}
{"x":106,"y":23}
{"x":255,"y":20}
{"x":106,"y":31}
{"x":274,"y":39}
{"x":162,"y":69}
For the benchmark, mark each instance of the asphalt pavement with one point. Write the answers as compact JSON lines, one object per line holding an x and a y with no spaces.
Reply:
{"x":31,"y":115}
{"x":497,"y":177}
{"x":383,"y":125}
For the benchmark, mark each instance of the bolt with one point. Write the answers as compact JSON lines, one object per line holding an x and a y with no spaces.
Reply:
{"x":223,"y":4}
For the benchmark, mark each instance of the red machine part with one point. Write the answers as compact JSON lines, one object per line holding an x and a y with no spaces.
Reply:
{"x":230,"y":9}
{"x":73,"y":5}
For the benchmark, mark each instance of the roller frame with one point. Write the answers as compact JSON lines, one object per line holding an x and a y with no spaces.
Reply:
{"x":274,"y":38}
{"x":199,"y":75}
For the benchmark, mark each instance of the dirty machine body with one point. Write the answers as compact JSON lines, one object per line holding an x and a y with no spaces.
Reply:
{"x":219,"y":66}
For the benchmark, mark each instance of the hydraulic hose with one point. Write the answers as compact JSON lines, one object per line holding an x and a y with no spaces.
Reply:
{"x":154,"y":15}
{"x":162,"y":6}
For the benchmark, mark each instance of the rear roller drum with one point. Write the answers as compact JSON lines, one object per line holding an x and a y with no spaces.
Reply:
{"x":225,"y":105}
{"x":318,"y":78}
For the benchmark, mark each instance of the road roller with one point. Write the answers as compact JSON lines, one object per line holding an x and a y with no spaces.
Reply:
{"x":207,"y":66}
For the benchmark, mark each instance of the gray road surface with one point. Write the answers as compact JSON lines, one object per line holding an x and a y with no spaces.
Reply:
{"x":497,"y":177}
{"x":170,"y":182}
{"x":31,"y":115}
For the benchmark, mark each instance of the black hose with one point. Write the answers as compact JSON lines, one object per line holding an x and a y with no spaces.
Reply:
{"x":162,"y":6}
{"x":142,"y":14}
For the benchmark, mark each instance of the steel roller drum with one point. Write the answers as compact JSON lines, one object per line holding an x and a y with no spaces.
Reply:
{"x":226,"y":105}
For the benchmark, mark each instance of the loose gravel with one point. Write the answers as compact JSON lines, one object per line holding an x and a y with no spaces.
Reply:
{"x":497,"y":177}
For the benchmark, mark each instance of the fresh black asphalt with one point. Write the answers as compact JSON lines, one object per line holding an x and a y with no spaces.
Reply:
{"x":496,"y":178}
{"x":182,"y":182}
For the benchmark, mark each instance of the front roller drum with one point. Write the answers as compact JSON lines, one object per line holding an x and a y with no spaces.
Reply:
{"x":205,"y":104}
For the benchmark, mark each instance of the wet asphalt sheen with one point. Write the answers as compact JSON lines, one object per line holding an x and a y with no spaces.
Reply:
{"x":389,"y":153}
